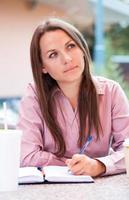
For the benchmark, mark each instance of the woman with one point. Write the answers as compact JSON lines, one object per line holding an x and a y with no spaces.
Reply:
{"x":66,"y":105}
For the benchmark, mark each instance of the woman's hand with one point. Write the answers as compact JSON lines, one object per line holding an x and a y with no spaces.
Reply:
{"x":82,"y":164}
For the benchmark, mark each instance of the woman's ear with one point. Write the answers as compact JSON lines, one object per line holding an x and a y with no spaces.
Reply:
{"x":44,"y":70}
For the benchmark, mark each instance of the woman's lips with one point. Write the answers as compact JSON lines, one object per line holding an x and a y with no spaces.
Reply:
{"x":70,"y":69}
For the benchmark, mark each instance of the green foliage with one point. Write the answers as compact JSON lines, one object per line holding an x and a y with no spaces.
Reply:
{"x":119,"y":38}
{"x":116,"y":43}
{"x":114,"y":72}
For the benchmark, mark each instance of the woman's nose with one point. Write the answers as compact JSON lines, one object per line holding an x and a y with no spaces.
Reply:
{"x":67,"y":58}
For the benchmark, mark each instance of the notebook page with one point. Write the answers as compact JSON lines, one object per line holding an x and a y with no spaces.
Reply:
{"x":61,"y":174}
{"x":30,"y":175}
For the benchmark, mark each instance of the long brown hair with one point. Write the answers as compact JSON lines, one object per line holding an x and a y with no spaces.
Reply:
{"x":45,"y":84}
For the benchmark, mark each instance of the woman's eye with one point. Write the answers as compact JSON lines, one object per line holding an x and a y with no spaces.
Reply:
{"x":71,"y":45}
{"x":53,"y":55}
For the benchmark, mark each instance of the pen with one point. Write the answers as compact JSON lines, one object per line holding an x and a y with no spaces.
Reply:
{"x":39,"y":168}
{"x":86,"y":144}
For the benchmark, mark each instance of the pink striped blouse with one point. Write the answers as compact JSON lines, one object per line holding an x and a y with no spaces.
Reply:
{"x":114,"y":116}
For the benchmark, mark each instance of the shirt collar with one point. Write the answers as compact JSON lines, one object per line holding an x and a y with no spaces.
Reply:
{"x":56,"y":91}
{"x":99,"y":85}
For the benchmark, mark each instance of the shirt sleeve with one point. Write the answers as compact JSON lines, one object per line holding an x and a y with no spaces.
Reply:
{"x":31,"y":123}
{"x":114,"y":162}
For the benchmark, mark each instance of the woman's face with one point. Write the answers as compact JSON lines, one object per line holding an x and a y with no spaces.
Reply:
{"x":62,"y":58}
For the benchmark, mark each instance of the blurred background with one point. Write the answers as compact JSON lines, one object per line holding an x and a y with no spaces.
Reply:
{"x":104,"y":24}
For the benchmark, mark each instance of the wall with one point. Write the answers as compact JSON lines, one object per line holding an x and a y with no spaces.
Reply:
{"x":17,"y":23}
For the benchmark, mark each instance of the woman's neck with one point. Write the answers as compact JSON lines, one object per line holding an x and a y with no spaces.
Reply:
{"x":71,"y":91}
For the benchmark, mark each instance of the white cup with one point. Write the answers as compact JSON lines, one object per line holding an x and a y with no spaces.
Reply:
{"x":10,"y":142}
{"x":126,"y":152}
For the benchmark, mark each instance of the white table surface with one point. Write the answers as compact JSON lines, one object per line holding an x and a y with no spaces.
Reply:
{"x":106,"y":188}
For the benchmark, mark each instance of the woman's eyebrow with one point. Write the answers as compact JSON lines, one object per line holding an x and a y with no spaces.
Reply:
{"x":50,"y":50}
{"x":68,"y":42}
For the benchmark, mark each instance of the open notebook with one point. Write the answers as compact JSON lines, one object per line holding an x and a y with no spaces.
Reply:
{"x":52,"y":174}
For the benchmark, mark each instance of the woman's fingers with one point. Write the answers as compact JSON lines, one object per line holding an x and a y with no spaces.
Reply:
{"x":76,"y":164}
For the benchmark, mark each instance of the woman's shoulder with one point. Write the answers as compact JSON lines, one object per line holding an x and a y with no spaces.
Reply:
{"x":104,"y":80}
{"x":30,"y":93}
{"x":103,"y":84}
{"x":30,"y":89}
